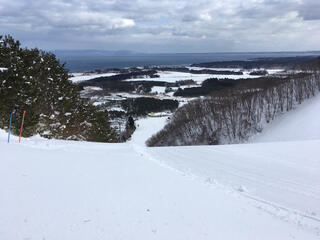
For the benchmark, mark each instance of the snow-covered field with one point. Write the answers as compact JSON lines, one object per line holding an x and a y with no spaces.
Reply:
{"x":172,"y":77}
{"x":52,"y":189}
{"x":161,"y":90}
{"x":158,"y":89}
{"x":79,"y":77}
{"x":270,"y":71}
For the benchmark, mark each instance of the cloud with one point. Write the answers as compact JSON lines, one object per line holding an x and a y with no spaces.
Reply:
{"x":164,"y":25}
{"x":310,"y":10}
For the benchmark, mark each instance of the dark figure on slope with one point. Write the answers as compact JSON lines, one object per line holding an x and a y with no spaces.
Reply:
{"x":130,"y":123}
{"x":130,"y":128}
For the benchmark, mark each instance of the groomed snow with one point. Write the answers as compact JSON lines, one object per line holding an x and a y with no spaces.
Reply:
{"x":282,"y":176}
{"x":53,"y":189}
{"x":76,"y":190}
{"x":283,"y":172}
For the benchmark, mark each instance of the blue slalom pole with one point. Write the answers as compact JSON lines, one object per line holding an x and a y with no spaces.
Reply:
{"x":9,"y":127}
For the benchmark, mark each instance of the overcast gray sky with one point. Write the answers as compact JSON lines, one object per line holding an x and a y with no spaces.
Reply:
{"x":164,"y":25}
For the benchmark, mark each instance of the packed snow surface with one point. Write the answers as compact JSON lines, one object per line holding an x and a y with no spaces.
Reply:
{"x":53,"y":189}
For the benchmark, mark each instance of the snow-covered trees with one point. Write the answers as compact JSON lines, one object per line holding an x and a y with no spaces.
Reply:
{"x":233,"y":115}
{"x":143,"y":105}
{"x":37,"y":82}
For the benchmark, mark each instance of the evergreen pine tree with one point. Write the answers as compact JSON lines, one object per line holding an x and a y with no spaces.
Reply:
{"x":37,"y":82}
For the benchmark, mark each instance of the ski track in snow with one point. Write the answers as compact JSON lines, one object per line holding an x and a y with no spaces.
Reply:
{"x":52,"y":189}
{"x":51,"y":192}
{"x":253,"y":181}
{"x":306,"y":221}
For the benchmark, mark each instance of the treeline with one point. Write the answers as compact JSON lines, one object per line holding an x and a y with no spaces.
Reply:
{"x":142,"y":106}
{"x":200,"y":71}
{"x":116,"y":83}
{"x":110,"y":85}
{"x":207,"y":87}
{"x":115,"y":70}
{"x":279,"y":62}
{"x":121,"y":82}
{"x":35,"y":81}
{"x":234,"y":114}
{"x":216,"y":72}
{"x":136,"y":70}
{"x":259,"y":73}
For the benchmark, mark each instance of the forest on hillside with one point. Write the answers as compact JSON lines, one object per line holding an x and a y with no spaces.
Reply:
{"x":234,"y":114}
{"x":268,"y":62}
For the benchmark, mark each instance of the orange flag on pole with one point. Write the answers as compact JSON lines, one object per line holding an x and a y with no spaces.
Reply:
{"x":24,"y":114}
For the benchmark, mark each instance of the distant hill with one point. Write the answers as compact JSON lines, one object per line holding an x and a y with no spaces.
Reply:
{"x":92,"y":52}
{"x":270,"y":62}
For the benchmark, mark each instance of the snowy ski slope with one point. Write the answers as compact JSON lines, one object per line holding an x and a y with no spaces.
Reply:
{"x":301,"y":124}
{"x":51,"y":189}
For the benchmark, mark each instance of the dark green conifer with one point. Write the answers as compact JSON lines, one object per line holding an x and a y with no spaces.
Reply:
{"x":37,"y":82}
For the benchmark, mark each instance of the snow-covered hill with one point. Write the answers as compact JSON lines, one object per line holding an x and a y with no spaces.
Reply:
{"x":284,"y":171}
{"x":301,"y":124}
{"x":52,"y":189}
